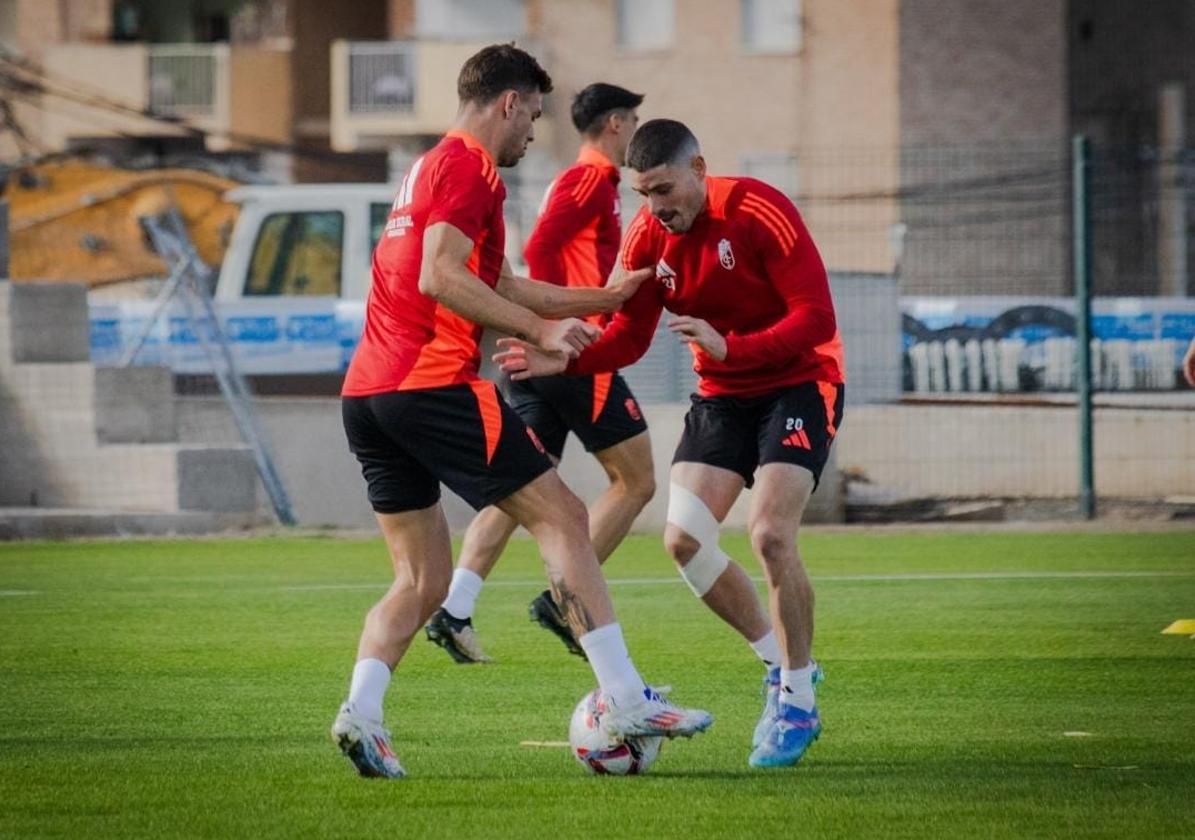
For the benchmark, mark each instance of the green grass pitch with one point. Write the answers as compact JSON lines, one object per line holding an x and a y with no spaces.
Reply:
{"x":185,"y":688}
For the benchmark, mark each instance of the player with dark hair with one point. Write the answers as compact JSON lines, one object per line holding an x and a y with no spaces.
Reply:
{"x":574,"y":243}
{"x":733,"y":259}
{"x":416,"y":413}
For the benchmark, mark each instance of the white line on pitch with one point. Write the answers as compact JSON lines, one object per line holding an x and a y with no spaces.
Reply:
{"x":6,"y":593}
{"x":877,"y":578}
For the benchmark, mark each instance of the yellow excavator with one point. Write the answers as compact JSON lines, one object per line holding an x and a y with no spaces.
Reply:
{"x":76,"y":221}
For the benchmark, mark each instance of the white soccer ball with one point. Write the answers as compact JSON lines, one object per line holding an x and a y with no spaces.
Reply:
{"x":601,"y":753}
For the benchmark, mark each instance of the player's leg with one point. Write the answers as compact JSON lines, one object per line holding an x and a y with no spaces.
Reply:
{"x":700,"y":496}
{"x":473,"y":441}
{"x":629,"y":468}
{"x":601,"y":411}
{"x":777,"y":503}
{"x":405,"y":498}
{"x":795,"y":435}
{"x":604,"y":415}
{"x":559,"y":522}
{"x":715,"y":459}
{"x":451,"y":626}
{"x":421,"y":555}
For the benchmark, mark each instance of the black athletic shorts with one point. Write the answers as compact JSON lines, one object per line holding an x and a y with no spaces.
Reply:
{"x":465,"y":436}
{"x":794,"y":425}
{"x":599,"y":409}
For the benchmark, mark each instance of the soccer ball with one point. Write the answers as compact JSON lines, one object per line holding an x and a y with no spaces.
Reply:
{"x":601,"y":753}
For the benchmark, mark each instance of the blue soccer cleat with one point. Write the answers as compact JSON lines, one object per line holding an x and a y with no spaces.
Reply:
{"x":792,"y":732}
{"x":771,"y":705}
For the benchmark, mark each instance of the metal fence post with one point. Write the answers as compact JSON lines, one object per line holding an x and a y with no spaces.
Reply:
{"x":3,"y":239}
{"x":1081,"y":242}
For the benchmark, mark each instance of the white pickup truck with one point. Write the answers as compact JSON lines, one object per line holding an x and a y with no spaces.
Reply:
{"x":303,"y":240}
{"x":290,"y":291}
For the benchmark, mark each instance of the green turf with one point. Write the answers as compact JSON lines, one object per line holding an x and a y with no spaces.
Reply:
{"x":158,"y":689}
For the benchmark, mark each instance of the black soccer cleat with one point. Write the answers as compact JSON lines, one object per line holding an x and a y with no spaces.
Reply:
{"x":455,"y":635}
{"x":546,"y":614}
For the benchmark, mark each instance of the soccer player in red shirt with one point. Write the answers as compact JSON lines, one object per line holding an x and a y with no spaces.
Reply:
{"x":574,"y":243}
{"x":735,"y":263}
{"x":416,"y":413}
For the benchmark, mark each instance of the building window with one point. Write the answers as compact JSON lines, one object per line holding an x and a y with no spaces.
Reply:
{"x":470,"y":20}
{"x":646,"y":25}
{"x":771,"y":26}
{"x":777,"y":169}
{"x":297,"y":254}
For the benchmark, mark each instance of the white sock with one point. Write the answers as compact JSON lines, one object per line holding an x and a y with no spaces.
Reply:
{"x":462,"y":593}
{"x":612,"y":664}
{"x":797,"y":687}
{"x":768,"y":649}
{"x":370,"y":679}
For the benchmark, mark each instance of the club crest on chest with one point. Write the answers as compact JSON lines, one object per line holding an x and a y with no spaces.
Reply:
{"x":726,"y":254}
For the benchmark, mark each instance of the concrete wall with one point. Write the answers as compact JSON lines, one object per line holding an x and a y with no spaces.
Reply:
{"x":40,"y":24}
{"x":325,"y":485}
{"x":32,"y":26}
{"x":60,"y":447}
{"x":1018,"y":451}
{"x":253,"y":94}
{"x":120,"y":71}
{"x":913,"y":451}
{"x":261,"y":101}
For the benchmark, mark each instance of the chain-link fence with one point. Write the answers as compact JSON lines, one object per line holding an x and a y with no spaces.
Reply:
{"x":983,"y":248}
{"x":952,"y":271}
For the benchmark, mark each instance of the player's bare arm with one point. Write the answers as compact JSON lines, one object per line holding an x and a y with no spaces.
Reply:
{"x":445,"y":278}
{"x":521,"y":360}
{"x":698,"y":333}
{"x":548,"y":300}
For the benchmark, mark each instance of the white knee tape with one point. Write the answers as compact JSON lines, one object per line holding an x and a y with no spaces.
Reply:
{"x":687,"y":512}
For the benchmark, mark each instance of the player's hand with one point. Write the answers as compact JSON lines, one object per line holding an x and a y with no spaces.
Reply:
{"x":520,"y":360}
{"x":568,"y":336}
{"x":1189,"y":364}
{"x":695,"y":331}
{"x":625,"y":283}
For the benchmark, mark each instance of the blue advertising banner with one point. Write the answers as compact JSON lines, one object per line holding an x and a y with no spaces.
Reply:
{"x":1026,"y":344}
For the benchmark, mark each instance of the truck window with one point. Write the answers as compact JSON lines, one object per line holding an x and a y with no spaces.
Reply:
{"x":297,"y":254}
{"x":379,"y":214}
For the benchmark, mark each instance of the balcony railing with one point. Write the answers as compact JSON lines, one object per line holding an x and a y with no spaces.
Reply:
{"x":382,"y":77}
{"x":383,"y":90}
{"x":185,"y":79}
